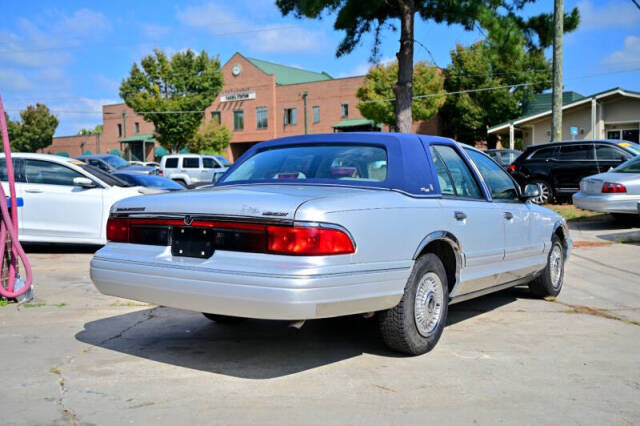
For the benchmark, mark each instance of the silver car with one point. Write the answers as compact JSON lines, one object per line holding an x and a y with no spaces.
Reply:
{"x":616,"y":192}
{"x":338,"y":224}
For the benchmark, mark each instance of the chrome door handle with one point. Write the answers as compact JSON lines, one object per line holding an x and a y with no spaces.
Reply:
{"x":33,"y":191}
{"x":508,"y":215}
{"x":460,"y":215}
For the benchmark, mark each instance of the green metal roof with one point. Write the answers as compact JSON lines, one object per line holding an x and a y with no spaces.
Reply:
{"x":289,"y":75}
{"x":160,"y":151}
{"x":139,"y":137}
{"x":542,"y":102}
{"x":355,"y":122}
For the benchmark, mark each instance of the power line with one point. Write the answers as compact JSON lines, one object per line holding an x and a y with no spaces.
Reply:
{"x":636,"y":3}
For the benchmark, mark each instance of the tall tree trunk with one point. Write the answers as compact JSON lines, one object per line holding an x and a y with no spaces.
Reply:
{"x":556,"y":107}
{"x":404,"y":87}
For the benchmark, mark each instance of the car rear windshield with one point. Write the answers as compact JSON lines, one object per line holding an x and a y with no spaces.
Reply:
{"x":333,"y":162}
{"x":631,"y":166}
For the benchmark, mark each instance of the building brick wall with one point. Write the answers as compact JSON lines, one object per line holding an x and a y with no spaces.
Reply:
{"x":73,"y":145}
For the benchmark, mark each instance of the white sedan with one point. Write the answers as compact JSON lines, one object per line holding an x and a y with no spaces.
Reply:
{"x":65,"y":200}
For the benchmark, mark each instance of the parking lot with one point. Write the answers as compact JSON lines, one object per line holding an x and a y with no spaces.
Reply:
{"x":75,"y":356}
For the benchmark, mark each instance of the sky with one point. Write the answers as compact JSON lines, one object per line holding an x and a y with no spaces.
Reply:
{"x":72,"y":55}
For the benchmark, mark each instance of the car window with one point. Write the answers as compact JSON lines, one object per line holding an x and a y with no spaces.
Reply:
{"x":115,"y":161}
{"x":210,"y":163}
{"x":191,"y":162}
{"x":500,"y":184}
{"x":631,"y":166}
{"x":508,"y":157}
{"x":334,"y":162}
{"x":108,"y":178}
{"x":45,"y":172}
{"x":457,"y":171}
{"x":576,"y":152}
{"x":610,"y":153}
{"x":171,"y":163}
{"x":17,"y":171}
{"x":543,"y":154}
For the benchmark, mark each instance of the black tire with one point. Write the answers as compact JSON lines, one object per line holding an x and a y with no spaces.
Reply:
{"x":223,"y":319}
{"x":548,"y":284}
{"x":399,"y":325}
{"x":546,"y":192}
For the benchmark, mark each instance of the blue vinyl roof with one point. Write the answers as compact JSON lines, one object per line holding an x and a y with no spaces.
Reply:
{"x":408,"y":167}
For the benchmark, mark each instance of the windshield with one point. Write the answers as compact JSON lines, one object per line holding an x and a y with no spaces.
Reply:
{"x":223,"y":161}
{"x":107,"y":178}
{"x":631,"y":166}
{"x":333,"y":162}
{"x":115,"y":162}
{"x":150,"y":181}
{"x":630,"y":146}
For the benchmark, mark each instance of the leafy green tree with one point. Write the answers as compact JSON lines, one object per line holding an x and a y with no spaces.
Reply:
{"x":378,"y":85}
{"x":357,"y":18}
{"x":173,"y":93}
{"x":96,"y":131}
{"x":35,"y":129}
{"x":213,"y":138}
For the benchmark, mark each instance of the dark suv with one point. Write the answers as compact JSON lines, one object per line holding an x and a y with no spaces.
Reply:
{"x":559,"y":167}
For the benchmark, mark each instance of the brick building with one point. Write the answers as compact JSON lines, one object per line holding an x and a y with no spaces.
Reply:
{"x":260,"y":100}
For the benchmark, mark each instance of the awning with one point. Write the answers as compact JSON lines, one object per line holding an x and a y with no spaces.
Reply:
{"x":115,"y":152}
{"x":139,"y":137}
{"x":356,"y":122}
{"x":160,"y":152}
{"x":62,"y":153}
{"x":87,"y":152}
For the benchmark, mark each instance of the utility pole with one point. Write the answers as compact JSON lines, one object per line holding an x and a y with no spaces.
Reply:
{"x":556,"y":108}
{"x":305,"y":97}
{"x":124,"y":128}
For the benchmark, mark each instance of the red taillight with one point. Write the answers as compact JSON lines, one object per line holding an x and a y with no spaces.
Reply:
{"x":307,"y":241}
{"x":160,"y":172}
{"x":512,"y":167}
{"x":118,"y":230}
{"x":611,"y":187}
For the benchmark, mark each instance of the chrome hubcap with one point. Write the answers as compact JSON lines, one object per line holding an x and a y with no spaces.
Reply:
{"x":555,"y":265}
{"x":428,"y":303}
{"x":545,"y":194}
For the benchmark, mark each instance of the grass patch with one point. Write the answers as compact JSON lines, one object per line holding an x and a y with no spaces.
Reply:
{"x":571,"y":212}
{"x":61,"y":305}
{"x":35,"y":304}
{"x":129,"y":304}
{"x":3,"y":302}
{"x":628,"y":240}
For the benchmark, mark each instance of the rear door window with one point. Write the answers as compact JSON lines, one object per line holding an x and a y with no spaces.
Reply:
{"x":191,"y":162}
{"x":171,"y":163}
{"x":577,"y":152}
{"x":543,"y":154}
{"x":454,"y":175}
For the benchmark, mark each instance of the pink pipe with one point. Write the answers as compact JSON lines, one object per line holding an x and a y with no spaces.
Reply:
{"x":9,"y":222}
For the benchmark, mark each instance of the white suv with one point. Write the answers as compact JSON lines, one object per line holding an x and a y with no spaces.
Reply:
{"x":193,"y":170}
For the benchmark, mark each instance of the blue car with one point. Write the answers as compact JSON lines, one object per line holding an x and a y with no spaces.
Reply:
{"x":149,"y":181}
{"x":325,"y":225}
{"x":111,"y":163}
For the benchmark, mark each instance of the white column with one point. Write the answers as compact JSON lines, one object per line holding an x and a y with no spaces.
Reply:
{"x":512,"y":141}
{"x":594,"y":134}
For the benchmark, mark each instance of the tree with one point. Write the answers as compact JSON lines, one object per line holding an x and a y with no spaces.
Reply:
{"x":214,"y":138}
{"x":96,"y":131}
{"x":378,"y":85}
{"x":497,"y":77}
{"x":173,"y":93}
{"x":35,"y":129}
{"x":357,"y":18}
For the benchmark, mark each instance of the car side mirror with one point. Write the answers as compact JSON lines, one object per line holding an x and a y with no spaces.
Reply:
{"x":531,"y":190}
{"x":610,"y":169}
{"x":84,"y":182}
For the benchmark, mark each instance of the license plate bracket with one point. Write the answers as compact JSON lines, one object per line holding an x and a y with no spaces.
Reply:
{"x":192,"y":242}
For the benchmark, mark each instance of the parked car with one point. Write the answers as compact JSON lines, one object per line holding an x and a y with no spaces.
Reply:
{"x":110,"y":163}
{"x":144,"y":163}
{"x":558,"y":167}
{"x":149,"y":181}
{"x":65,"y":200}
{"x":504,"y":157}
{"x":192,"y":170}
{"x":616,"y":191}
{"x":285,"y":236}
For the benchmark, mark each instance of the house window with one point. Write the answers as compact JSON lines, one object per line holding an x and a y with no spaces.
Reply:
{"x":316,"y":114}
{"x":290,"y":116}
{"x":137,"y":127}
{"x":215,"y":116}
{"x":345,"y":110}
{"x":261,"y":117}
{"x":119,"y":130}
{"x":238,"y":120}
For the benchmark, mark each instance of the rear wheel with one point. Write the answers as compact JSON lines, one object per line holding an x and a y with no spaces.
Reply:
{"x":549,"y":283}
{"x":546,"y":192}
{"x":223,"y":319}
{"x":414,"y":326}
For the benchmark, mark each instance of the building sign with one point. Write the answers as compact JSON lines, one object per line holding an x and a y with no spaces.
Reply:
{"x":241,"y":95}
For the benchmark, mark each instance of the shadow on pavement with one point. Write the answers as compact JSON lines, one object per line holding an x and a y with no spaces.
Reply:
{"x":253,"y":349}
{"x":60,"y":248}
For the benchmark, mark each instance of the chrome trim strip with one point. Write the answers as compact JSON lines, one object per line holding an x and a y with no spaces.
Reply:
{"x":482,"y":292}
{"x":250,"y":274}
{"x":202,"y":216}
